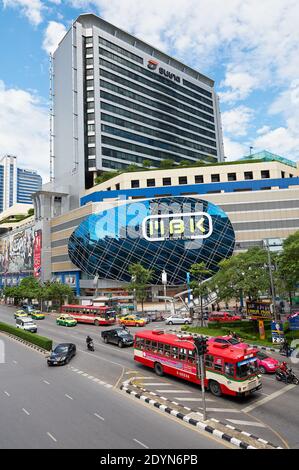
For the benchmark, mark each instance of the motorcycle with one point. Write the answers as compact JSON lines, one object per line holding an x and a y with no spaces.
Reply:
{"x":90,"y":346}
{"x":289,"y":377}
{"x":286,"y":352}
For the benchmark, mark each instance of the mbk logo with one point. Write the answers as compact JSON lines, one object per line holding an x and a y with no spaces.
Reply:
{"x":186,"y":226}
{"x":152,"y":64}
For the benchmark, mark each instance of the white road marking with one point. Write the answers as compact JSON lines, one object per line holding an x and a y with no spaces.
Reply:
{"x":224,"y":410}
{"x":246,"y":423}
{"x":52,"y":437}
{"x":192,"y":399}
{"x":67,"y":396}
{"x":173,"y":391}
{"x":141,"y":377}
{"x":100,"y":417}
{"x":108,"y":386}
{"x":90,"y":377}
{"x":85,"y":375}
{"x":15,"y":362}
{"x":25,"y":411}
{"x":269,"y":398}
{"x":79,"y":371}
{"x":46,"y":382}
{"x":141,"y":443}
{"x":157,"y":383}
{"x":6,"y":393}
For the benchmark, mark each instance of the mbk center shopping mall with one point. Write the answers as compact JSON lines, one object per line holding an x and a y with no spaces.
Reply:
{"x":119,"y":101}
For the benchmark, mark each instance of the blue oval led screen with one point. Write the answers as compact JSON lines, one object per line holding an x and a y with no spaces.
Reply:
{"x":170,"y":233}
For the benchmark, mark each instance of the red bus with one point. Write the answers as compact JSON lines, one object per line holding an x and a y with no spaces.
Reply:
{"x":230,"y":370}
{"x":90,"y":314}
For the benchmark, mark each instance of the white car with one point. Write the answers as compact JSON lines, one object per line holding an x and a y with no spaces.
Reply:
{"x":26,"y":323}
{"x":176,"y":320}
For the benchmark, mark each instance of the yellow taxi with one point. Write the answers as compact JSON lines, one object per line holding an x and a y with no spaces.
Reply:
{"x":132,"y":320}
{"x":20,"y":313}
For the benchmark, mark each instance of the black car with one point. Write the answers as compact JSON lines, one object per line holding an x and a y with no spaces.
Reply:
{"x":120,"y":336}
{"x":62,"y":354}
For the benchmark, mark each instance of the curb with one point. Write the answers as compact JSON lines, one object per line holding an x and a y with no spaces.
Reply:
{"x":199,"y":424}
{"x":30,"y":345}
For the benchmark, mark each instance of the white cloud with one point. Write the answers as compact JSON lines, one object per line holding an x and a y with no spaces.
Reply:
{"x":24,"y":129}
{"x":234,"y":150}
{"x":237,"y":120}
{"x":239,"y":84}
{"x":32,"y":9}
{"x":52,"y":36}
{"x":281,"y":141}
{"x":263,"y":130}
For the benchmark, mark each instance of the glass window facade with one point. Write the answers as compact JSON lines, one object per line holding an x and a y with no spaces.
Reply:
{"x":107,"y":243}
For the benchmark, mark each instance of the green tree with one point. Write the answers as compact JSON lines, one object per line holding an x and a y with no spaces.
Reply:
{"x":140,"y":279}
{"x":146,"y":163}
{"x":167,"y":164}
{"x":58,"y":292}
{"x":244,"y":274}
{"x":200,"y":272}
{"x":287,"y":275}
{"x":185,"y":163}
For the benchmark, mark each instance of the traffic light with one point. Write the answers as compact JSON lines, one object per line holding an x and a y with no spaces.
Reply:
{"x":201,"y":345}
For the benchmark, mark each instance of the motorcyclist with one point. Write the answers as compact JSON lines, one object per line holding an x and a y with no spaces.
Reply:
{"x":88,"y":340}
{"x":285,"y":347}
{"x":283,"y":367}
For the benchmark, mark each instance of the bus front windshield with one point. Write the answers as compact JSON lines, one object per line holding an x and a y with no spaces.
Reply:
{"x":246,"y":368}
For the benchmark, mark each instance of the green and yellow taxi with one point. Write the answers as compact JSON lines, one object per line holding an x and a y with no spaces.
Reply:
{"x":37,"y":315}
{"x":20,"y":313}
{"x":66,"y":320}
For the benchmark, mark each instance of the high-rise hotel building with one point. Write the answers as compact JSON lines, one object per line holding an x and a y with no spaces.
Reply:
{"x":119,"y":101}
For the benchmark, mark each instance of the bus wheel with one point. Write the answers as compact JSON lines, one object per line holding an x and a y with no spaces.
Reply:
{"x":96,"y":322}
{"x":159,"y":369}
{"x":215,"y":388}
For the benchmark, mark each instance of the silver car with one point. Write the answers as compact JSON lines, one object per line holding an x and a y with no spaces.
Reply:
{"x":176,"y":320}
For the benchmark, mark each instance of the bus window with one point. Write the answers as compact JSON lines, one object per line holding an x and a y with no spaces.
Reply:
{"x":183,"y":354}
{"x":218,"y":364}
{"x":155,"y":346}
{"x":167,"y":350}
{"x":161,"y":348}
{"x":148,"y":345}
{"x":209,"y":360}
{"x":174,"y":352}
{"x":139,"y":343}
{"x":229,"y":369}
{"x":245,"y":370}
{"x":191,"y":356}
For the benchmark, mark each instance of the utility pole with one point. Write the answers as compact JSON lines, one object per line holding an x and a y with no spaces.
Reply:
{"x":202,"y":348}
{"x":164,"y":282}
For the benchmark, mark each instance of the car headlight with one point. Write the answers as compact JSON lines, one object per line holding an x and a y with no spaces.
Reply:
{"x":63,"y":358}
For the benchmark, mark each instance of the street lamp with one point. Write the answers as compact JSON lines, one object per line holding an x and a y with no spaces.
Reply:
{"x":133,"y":280}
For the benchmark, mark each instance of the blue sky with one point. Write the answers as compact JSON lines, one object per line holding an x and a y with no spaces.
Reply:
{"x":249,"y":47}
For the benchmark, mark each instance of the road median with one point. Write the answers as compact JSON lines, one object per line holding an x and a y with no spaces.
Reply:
{"x":221,"y":430}
{"x":40,"y":342}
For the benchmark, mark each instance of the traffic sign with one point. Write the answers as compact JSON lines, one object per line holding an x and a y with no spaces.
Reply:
{"x":277,"y":332}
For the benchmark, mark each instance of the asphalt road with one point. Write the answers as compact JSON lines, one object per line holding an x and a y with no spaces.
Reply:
{"x":42,"y":407}
{"x":272,"y":413}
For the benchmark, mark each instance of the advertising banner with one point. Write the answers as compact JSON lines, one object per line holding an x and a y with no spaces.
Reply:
{"x":277,"y":332}
{"x":37,"y":253}
{"x":16,"y":252}
{"x":294,"y":322}
{"x":258,"y":310}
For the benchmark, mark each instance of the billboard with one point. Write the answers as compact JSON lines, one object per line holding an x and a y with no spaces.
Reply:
{"x":16,"y":252}
{"x":37,"y":253}
{"x":258,"y":310}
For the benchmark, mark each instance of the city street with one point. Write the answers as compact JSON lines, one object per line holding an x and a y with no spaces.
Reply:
{"x":54,"y":408}
{"x":272,"y":413}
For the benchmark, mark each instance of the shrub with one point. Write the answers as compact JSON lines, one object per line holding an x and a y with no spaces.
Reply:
{"x":33,"y":338}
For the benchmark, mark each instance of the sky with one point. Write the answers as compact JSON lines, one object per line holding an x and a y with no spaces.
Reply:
{"x":249,"y":47}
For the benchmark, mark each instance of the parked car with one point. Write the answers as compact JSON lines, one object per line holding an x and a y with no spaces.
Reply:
{"x":26,"y":324}
{"x":132,"y":320}
{"x":177,"y":320}
{"x":120,"y":336}
{"x":62,"y":354}
{"x":266,"y":363}
{"x":224,"y":316}
{"x":229,"y":340}
{"x":66,"y":320}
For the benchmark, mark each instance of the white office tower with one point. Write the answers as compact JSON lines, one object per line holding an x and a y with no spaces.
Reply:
{"x":119,"y":101}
